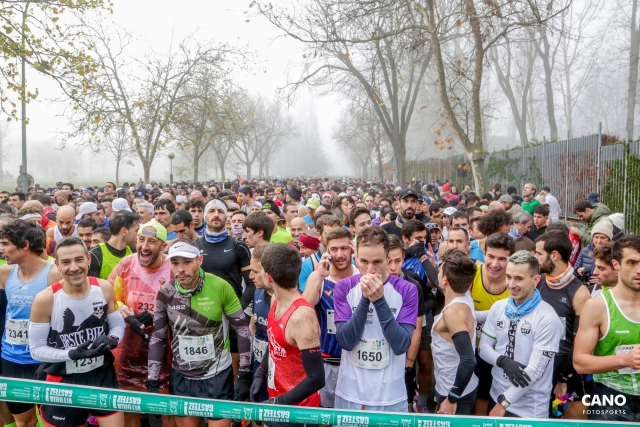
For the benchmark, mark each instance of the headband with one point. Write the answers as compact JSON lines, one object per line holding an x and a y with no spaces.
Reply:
{"x":216,"y":203}
{"x":309,"y":241}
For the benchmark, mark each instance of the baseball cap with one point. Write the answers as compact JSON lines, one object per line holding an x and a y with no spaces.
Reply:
{"x":271,"y":206}
{"x":327,"y":194}
{"x":450,"y":210}
{"x":86,"y":208}
{"x":446,"y":187}
{"x":505,"y":199}
{"x":409,"y":192}
{"x":432,"y":225}
{"x":160,"y":233}
{"x":120,"y":204}
{"x":183,"y":250}
{"x":313,"y":203}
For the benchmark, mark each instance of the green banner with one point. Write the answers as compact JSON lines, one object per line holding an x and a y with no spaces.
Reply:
{"x":121,"y":400}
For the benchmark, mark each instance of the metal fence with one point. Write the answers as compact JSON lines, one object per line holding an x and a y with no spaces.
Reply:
{"x":572,"y":168}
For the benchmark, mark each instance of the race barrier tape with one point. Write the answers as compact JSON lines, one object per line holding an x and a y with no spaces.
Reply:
{"x":129,"y":401}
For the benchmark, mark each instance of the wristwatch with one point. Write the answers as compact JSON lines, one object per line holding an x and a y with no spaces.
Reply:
{"x":504,"y":402}
{"x":453,"y":398}
{"x":272,"y":400}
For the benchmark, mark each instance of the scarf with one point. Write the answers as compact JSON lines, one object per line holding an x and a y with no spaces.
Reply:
{"x":564,"y":277}
{"x":514,"y":314}
{"x":215,"y":237}
{"x":399,"y":221}
{"x":191,"y":292}
{"x":527,"y":199}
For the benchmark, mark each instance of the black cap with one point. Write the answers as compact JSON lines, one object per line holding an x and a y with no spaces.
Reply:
{"x":409,"y":192}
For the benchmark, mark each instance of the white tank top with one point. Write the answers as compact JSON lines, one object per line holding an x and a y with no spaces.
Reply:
{"x":57,"y":235}
{"x":445,"y":356}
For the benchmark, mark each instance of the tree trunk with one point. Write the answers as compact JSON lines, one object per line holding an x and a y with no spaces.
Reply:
{"x":222,"y":177}
{"x":634,"y":53}
{"x":401,"y":164}
{"x":546,"y":62}
{"x":118,"y":172}
{"x":147,"y":171}
{"x":196,"y":162}
{"x":479,"y":172}
{"x":532,"y":122}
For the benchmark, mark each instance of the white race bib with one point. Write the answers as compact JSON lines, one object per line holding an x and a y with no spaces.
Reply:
{"x":624,"y":349}
{"x":259,"y":347}
{"x":331,"y":324}
{"x":370,"y":354}
{"x":271,"y":375}
{"x":84,"y":365}
{"x":17,"y":331}
{"x":196,"y":349}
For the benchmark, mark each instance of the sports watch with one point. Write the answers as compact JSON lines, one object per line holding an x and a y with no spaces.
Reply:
{"x":504,"y":402}
{"x":453,"y":398}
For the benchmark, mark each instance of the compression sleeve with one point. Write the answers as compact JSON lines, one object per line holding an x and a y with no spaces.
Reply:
{"x":431,"y":272}
{"x":240,"y":323}
{"x":464,"y":348}
{"x":116,"y":325}
{"x":349,"y":333}
{"x":96,"y":262}
{"x":158,"y":341}
{"x":486,"y":350}
{"x":249,"y":289}
{"x":539,"y":362}
{"x":566,"y":369}
{"x":40,"y":351}
{"x":3,"y":310}
{"x":313,"y":381}
{"x":398,"y":335}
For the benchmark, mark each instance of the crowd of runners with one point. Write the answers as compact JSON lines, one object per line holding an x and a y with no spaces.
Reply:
{"x":338,"y":293}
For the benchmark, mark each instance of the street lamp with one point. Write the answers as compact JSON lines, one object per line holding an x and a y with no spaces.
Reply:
{"x":171,"y":157}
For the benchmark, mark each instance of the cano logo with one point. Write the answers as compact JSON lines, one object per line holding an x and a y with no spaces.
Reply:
{"x":559,"y":405}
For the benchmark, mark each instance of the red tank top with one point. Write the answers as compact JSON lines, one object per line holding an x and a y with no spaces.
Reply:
{"x":285,"y":363}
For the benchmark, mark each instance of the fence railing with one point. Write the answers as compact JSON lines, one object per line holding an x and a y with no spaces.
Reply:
{"x":572,"y":168}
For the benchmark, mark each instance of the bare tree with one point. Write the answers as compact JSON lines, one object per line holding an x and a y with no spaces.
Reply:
{"x":119,"y":144}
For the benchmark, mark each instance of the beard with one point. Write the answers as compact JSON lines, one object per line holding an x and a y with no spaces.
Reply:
{"x":547,"y":266}
{"x":408,"y":214}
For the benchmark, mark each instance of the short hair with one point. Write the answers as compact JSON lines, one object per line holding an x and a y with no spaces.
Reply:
{"x":290,"y":204}
{"x":181,"y":216}
{"x":326,"y":220}
{"x":473,"y":209}
{"x":582,"y":206}
{"x":604,"y":253}
{"x":459,"y":215}
{"x":258,"y":251}
{"x":106,"y":199}
{"x":374,"y":236}
{"x":44,"y":199}
{"x":473,"y":221}
{"x":472,"y":198}
{"x":336,"y":233}
{"x":395,"y":243}
{"x":434,"y":207}
{"x":542,"y":210}
{"x":521,"y":217}
{"x":557,"y":241}
{"x":70,"y":241}
{"x":104,"y":232}
{"x":88,"y":222}
{"x":487,"y":196}
{"x":122,"y":219}
{"x":241,"y":212}
{"x":411,"y":226}
{"x":114,"y":186}
{"x":148,"y":206}
{"x":283,"y":263}
{"x":526,"y":257}
{"x":464,"y":230}
{"x":20,"y":195}
{"x":29,"y":210}
{"x":165,"y":203}
{"x":336,"y":189}
{"x":493,"y":221}
{"x":558,"y":226}
{"x":356,"y":213}
{"x":194,"y":203}
{"x":20,"y":231}
{"x":259,"y":221}
{"x":500,"y":241}
{"x":533,"y":186}
{"x":459,"y":269}
{"x":70,"y":185}
{"x":246,"y":190}
{"x":524,"y":243}
{"x":631,"y":241}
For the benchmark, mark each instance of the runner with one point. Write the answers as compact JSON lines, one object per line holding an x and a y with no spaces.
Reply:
{"x":335,"y":264}
{"x":162,"y":211}
{"x":262,"y":300}
{"x":408,"y":200}
{"x":293,"y":365}
{"x":561,"y":289}
{"x":324,"y":223}
{"x":86,"y":227}
{"x":605,"y":274}
{"x":74,"y":326}
{"x":21,"y":278}
{"x":529,"y":202}
{"x":525,"y":332}
{"x":124,"y":227}
{"x":257,"y":229}
{"x":196,"y":209}
{"x":454,"y":338}
{"x":183,"y":224}
{"x":279,"y":235}
{"x":195,"y":309}
{"x":65,"y":218}
{"x":607,"y":341}
{"x":374,"y":339}
{"x":297,"y":227}
{"x":236,"y":220}
{"x":145,"y":210}
{"x":359,"y":219}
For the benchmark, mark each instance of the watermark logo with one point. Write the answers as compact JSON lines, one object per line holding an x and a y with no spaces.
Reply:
{"x":36,"y":392}
{"x":603,"y":404}
{"x":559,"y":405}
{"x":3,"y":389}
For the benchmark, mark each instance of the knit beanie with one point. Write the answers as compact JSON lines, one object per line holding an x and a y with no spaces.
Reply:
{"x":605,"y":227}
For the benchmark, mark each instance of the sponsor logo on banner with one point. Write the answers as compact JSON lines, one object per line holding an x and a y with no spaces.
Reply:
{"x":352,"y":420}
{"x":326,"y":419}
{"x":127,"y":403}
{"x":275,"y":415}
{"x":248,"y":413}
{"x":434,"y":423}
{"x":197,"y":409}
{"x":3,"y":389}
{"x":36,"y":392}
{"x":405,"y":423}
{"x":56,"y":395}
{"x":173,"y":407}
{"x":103,"y":400}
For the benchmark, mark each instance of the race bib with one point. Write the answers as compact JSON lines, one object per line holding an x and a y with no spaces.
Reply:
{"x":271,"y":375}
{"x":564,"y":328}
{"x":331,"y":324}
{"x":259,"y":347}
{"x":196,"y":349}
{"x":84,"y":365}
{"x":142,"y":301}
{"x":370,"y":354}
{"x":624,"y":349}
{"x":17,"y":332}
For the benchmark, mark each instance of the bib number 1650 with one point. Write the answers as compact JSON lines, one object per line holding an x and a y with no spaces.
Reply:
{"x":370,"y":356}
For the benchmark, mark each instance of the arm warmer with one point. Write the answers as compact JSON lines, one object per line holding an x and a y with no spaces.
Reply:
{"x":312,"y":382}
{"x":239,"y":322}
{"x":398,"y":335}
{"x":249,"y":289}
{"x":431,"y":272}
{"x":116,"y":325}
{"x":464,"y":348}
{"x":3,"y":311}
{"x":38,"y":333}
{"x":349,"y":333}
{"x":486,"y":351}
{"x":566,"y":369}
{"x":539,"y":362}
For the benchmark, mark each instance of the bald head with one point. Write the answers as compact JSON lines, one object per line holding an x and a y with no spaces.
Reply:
{"x":167,"y":196}
{"x":62,"y":197}
{"x":496,"y":206}
{"x":65,"y":218}
{"x":298,"y":222}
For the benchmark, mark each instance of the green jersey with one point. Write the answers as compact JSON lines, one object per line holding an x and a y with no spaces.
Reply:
{"x":280,"y":236}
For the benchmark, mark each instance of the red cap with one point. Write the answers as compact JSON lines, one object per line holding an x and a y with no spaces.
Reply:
{"x":446,"y":187}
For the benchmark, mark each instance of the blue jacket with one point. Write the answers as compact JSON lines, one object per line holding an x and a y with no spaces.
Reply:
{"x":585,"y":260}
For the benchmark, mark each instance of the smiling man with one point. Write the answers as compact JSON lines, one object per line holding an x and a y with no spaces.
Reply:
{"x":408,"y":203}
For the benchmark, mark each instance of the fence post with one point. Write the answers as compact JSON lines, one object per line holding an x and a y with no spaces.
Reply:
{"x":625,"y":155}
{"x":544,"y":140}
{"x":523,"y":179}
{"x":598,"y":181}
{"x":566,"y":184}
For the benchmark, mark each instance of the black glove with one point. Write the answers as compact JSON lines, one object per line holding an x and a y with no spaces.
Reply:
{"x":136,"y":326}
{"x":145,"y":318}
{"x":153,"y":386}
{"x":514,"y":370}
{"x":83,"y":351}
{"x":258,"y":382}
{"x":243,"y":386}
{"x":111,"y":343}
{"x":416,"y":251}
{"x":410,"y":381}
